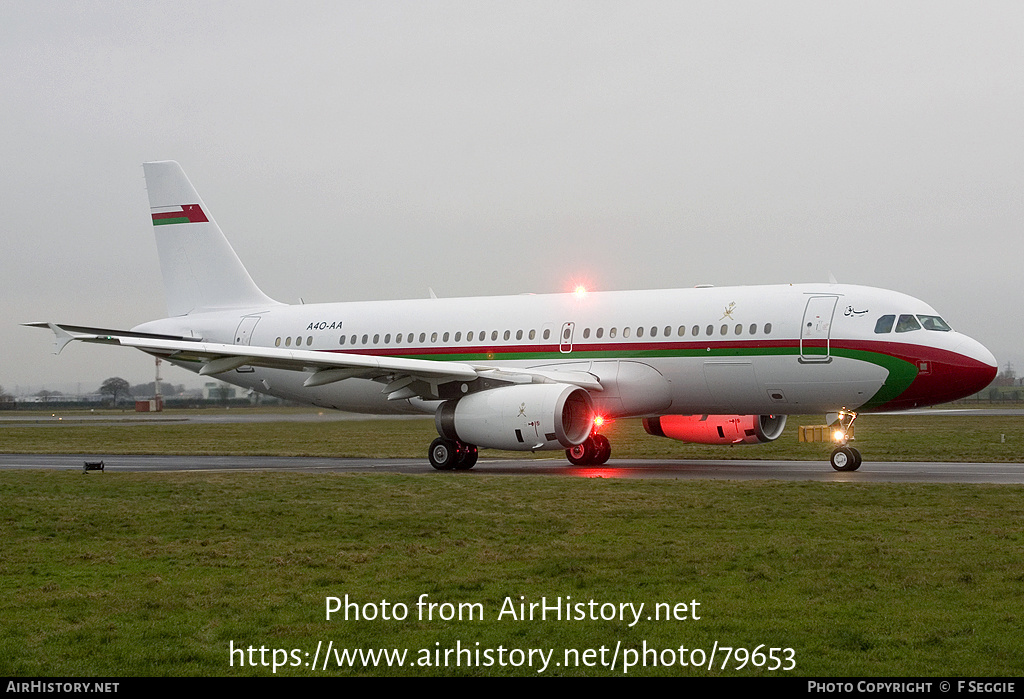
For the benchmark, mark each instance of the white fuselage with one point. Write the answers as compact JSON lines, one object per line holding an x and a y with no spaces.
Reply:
{"x":780,"y":349}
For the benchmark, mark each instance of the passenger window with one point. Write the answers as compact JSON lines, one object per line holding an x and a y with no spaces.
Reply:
{"x":444,"y":338}
{"x":600,"y":333}
{"x":387,"y":339}
{"x":710,"y":330}
{"x":287,"y":342}
{"x":725,"y":329}
{"x":494,"y":336}
{"x":507,"y":335}
{"x":398,"y":339}
{"x":739,"y":329}
{"x":519,"y":334}
{"x":353,"y":340}
{"x":376,"y":339}
{"x":547,"y":333}
{"x":680,"y":332}
{"x":639,"y":332}
{"x":433,"y":337}
{"x":533,"y":334}
{"x":611,"y":333}
{"x":696,"y":330}
{"x":884,"y":324}
{"x":625,"y":332}
{"x":277,"y":342}
{"x":423,"y":337}
{"x":365,"y":338}
{"x":309,"y":340}
{"x":767,"y":328}
{"x":469,"y":336}
{"x":907,"y":323}
{"x":586,"y":333}
{"x":458,"y":336}
{"x":409,"y":339}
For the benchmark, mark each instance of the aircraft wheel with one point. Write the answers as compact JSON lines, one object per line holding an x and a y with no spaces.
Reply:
{"x":582,"y":454}
{"x":443,"y":454}
{"x":845,"y":459}
{"x":603,"y":449}
{"x":467,"y":457}
{"x":857,"y":459}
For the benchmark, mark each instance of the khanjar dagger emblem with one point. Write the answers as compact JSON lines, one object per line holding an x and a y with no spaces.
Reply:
{"x":728,"y":311}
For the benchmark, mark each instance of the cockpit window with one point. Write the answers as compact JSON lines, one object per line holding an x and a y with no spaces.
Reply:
{"x":884,"y":324}
{"x":906,"y":323}
{"x":934,"y":323}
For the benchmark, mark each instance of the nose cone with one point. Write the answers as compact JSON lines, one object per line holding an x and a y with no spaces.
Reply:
{"x":973,"y":349}
{"x":976,"y":369}
{"x":958,"y":374}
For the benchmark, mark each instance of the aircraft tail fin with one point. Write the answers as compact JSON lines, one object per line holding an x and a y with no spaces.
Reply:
{"x":201,"y":271}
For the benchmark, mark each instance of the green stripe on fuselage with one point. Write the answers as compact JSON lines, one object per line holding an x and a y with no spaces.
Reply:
{"x":165,"y":221}
{"x":901,"y":374}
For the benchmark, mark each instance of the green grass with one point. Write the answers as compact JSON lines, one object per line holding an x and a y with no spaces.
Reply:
{"x":879,"y":437}
{"x":125,"y":574}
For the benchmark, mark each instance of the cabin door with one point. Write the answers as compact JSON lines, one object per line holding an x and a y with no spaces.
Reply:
{"x":243,"y":335}
{"x":816,"y":329}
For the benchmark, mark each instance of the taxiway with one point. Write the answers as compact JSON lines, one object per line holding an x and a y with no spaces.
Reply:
{"x":871,"y":472}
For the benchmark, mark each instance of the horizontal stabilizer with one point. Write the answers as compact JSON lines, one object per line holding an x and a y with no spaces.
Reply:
{"x":66,"y":333}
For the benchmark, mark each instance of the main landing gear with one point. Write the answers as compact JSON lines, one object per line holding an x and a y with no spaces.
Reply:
{"x":594,"y":451}
{"x":845,"y":458}
{"x":448,"y":454}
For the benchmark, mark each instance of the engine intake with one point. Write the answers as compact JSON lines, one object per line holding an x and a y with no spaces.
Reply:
{"x":527,"y":417}
{"x":717,"y":429}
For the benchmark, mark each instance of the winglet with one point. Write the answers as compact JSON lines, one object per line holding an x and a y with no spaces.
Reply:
{"x":61,"y":337}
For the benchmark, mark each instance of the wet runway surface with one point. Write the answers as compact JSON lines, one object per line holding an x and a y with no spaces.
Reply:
{"x":870,"y":472}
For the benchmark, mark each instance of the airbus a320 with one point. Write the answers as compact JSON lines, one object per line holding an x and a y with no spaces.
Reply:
{"x":715,"y":365}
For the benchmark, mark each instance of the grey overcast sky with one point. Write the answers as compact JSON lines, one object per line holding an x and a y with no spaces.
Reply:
{"x":361,"y":150}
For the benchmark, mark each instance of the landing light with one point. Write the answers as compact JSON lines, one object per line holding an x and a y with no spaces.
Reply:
{"x":580,"y":291}
{"x":838,"y":435}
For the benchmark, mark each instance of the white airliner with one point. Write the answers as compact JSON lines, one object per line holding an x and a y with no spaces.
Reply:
{"x":719,"y":365}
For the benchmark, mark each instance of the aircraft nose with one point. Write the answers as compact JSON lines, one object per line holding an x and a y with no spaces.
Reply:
{"x":979,"y":368}
{"x":945,"y":375}
{"x":978,"y":352}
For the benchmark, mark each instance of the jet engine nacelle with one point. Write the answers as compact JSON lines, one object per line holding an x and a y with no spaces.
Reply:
{"x":525,"y":417}
{"x":717,"y":429}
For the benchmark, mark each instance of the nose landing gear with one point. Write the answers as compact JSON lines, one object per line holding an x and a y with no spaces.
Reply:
{"x":845,"y":458}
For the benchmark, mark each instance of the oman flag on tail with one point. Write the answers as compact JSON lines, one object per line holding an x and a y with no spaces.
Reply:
{"x":186,"y":213}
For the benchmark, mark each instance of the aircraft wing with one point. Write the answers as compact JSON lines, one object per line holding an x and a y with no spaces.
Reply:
{"x":406,"y":377}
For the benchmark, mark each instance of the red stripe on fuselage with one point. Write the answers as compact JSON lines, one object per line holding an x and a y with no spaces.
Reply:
{"x":942,"y":375}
